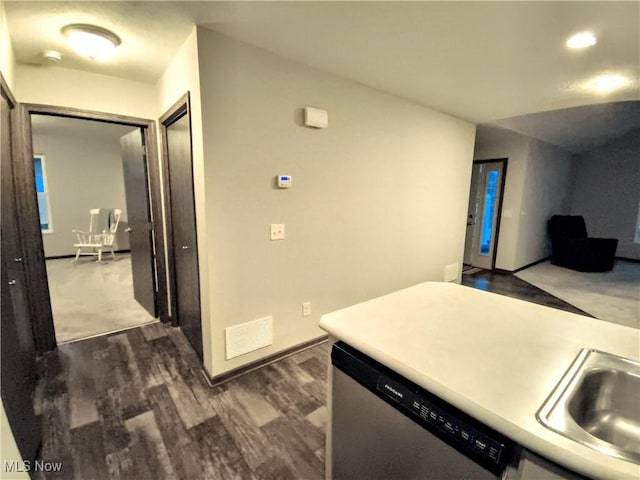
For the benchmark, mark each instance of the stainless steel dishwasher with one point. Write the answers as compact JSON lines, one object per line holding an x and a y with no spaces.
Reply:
{"x":385,"y":427}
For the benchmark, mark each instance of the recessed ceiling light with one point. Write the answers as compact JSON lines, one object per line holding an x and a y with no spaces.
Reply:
{"x":608,"y":83}
{"x":92,"y":42}
{"x":581,"y":40}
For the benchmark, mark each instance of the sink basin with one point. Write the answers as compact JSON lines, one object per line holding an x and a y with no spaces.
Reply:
{"x":597,"y":403}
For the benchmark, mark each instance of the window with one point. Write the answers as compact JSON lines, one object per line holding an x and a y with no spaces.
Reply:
{"x":488,"y":214}
{"x":44,"y":206}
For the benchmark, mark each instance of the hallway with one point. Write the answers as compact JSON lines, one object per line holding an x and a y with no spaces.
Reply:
{"x":135,"y":405}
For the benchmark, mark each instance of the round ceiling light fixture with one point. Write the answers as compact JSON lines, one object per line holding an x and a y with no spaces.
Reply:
{"x":92,"y":42}
{"x":581,"y":40}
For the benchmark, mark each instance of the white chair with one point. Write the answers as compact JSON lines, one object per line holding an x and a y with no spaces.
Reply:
{"x":102,"y":231}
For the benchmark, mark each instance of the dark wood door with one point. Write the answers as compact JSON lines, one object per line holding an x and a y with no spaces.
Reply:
{"x":12,"y":252}
{"x":139,"y":219}
{"x":183,"y":221}
{"x":18,"y":373}
{"x":16,"y":378}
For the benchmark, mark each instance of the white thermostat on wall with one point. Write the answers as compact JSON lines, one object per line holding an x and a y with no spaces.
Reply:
{"x":284,"y":181}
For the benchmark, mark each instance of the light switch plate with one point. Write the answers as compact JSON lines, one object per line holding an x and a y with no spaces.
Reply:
{"x":277,"y":231}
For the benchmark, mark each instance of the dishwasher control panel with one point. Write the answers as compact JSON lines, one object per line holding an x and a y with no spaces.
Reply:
{"x":438,"y":417}
{"x":458,"y":429}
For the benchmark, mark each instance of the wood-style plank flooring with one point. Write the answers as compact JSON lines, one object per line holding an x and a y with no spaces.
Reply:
{"x":135,"y":405}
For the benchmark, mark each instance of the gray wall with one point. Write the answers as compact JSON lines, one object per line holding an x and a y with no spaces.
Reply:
{"x":547,"y":192}
{"x":538,"y":185}
{"x":378,"y":202}
{"x":84,"y":171}
{"x":494,"y":143}
{"x":607,"y":191}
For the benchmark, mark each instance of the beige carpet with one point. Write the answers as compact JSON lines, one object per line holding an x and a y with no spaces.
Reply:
{"x":89,"y":298}
{"x":612,"y":296}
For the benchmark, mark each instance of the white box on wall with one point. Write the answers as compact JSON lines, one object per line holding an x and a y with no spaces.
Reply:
{"x":451,"y":272}
{"x":316,"y":118}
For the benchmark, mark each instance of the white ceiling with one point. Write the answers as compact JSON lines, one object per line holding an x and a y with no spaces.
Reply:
{"x":480,"y":61}
{"x":579,"y":129}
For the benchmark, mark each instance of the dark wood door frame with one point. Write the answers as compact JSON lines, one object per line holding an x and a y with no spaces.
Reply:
{"x":13,"y":253}
{"x":176,"y":111}
{"x":37,"y":284}
{"x":19,"y":371}
{"x":503,"y":182}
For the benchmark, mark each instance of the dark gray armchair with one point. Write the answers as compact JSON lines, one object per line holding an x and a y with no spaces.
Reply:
{"x":573,"y":249}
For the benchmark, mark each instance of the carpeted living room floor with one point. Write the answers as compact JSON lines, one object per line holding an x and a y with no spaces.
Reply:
{"x":612,"y":296}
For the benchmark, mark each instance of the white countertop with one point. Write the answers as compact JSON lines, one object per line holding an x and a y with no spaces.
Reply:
{"x":495,"y":357}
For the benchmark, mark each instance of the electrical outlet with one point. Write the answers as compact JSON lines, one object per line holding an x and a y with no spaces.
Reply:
{"x":306,"y":309}
{"x":277,"y":231}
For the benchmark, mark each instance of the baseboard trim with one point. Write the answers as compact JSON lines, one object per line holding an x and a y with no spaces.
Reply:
{"x":237,"y":372}
{"x":58,"y":257}
{"x":634,"y":260}
{"x":501,"y":271}
{"x":530,"y":265}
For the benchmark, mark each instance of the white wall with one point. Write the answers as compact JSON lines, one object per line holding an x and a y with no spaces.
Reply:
{"x":495,"y":143}
{"x":538,"y":185}
{"x":82,"y":173}
{"x":547,"y":192}
{"x":181,"y":76}
{"x":9,"y":450}
{"x":378,"y":201}
{"x":7,"y":57}
{"x":51,"y":85}
{"x":607,"y":192}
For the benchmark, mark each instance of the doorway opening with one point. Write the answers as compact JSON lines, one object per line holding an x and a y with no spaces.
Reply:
{"x":83,"y":202}
{"x":483,"y":216}
{"x":140,"y":163}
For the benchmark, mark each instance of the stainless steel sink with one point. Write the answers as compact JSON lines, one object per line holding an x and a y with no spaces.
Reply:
{"x":597,"y":403}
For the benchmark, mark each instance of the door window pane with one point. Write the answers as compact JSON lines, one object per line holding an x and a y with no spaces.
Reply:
{"x":489,"y":212}
{"x":43,"y":194}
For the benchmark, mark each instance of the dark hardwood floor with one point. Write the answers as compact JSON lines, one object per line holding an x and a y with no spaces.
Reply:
{"x":510,"y":285}
{"x":134,"y":405}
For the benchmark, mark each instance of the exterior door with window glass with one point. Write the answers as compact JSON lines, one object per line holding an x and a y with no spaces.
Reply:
{"x":485,"y":199}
